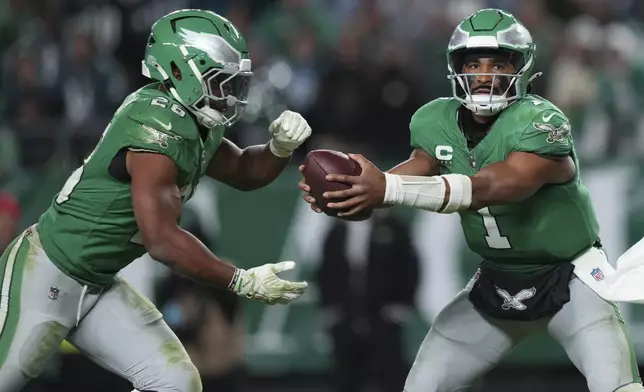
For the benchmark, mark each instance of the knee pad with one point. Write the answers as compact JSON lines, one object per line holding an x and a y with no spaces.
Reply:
{"x":634,"y":387}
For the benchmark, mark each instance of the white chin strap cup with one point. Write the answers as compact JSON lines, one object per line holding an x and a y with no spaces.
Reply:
{"x":486,"y":105}
{"x":209,"y":117}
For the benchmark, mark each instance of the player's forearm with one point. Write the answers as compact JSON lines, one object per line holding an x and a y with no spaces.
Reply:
{"x":416,"y":166}
{"x":258,"y":167}
{"x":499,"y":186}
{"x":419,"y":164}
{"x":494,"y":185}
{"x":444,"y":194}
{"x":184,"y":253}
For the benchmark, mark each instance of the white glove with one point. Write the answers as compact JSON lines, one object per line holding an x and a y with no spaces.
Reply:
{"x":289,"y":131}
{"x":263,"y":284}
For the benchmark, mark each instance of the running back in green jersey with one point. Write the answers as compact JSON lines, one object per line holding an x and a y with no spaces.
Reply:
{"x":555,"y":224}
{"x":89,"y":231}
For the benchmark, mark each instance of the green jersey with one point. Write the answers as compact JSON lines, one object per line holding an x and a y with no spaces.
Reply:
{"x":89,"y":231}
{"x":555,"y":224}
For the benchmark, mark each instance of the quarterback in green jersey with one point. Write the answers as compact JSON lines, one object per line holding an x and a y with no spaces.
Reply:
{"x":59,"y":279}
{"x":504,"y":160}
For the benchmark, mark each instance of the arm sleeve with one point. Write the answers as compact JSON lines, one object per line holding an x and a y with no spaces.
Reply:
{"x":548,"y":134}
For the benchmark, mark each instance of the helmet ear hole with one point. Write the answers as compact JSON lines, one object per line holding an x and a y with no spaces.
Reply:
{"x":176,"y":72}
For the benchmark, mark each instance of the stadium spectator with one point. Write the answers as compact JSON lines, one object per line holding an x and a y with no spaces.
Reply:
{"x":9,"y":216}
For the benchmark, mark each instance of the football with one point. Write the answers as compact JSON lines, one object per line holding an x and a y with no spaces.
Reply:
{"x":317,"y":165}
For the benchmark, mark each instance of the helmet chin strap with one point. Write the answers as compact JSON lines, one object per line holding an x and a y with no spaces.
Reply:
{"x":479,"y":104}
{"x":209,"y":117}
{"x":206,"y":116}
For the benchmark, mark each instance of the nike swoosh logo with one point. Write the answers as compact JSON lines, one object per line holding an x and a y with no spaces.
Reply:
{"x":165,"y":126}
{"x":548,"y":117}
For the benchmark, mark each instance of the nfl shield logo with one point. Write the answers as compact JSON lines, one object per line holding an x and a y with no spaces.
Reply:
{"x":597,"y":274}
{"x":54,"y":293}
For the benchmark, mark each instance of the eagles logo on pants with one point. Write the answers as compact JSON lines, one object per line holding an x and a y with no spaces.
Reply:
{"x":514,"y":302}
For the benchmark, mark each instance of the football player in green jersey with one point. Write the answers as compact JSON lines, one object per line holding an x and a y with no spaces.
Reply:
{"x":504,"y":160}
{"x":58,"y":279}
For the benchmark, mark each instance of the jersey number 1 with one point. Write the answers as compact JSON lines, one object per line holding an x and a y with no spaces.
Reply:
{"x":494,"y":238}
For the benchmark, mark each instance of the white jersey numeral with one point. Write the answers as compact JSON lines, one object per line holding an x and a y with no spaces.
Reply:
{"x":75,"y":177}
{"x":163,"y":102}
{"x":69,"y":186}
{"x":494,"y":238}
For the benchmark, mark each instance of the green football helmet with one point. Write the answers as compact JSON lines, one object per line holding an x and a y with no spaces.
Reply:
{"x":491,"y":32}
{"x":203,"y":61}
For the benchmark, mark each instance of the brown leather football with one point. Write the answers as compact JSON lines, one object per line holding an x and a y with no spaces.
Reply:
{"x":317,"y":165}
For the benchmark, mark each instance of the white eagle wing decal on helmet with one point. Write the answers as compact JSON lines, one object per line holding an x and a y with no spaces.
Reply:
{"x":516,"y":35}
{"x":214,"y":46}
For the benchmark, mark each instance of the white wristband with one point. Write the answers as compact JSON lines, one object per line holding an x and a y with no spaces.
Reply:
{"x":236,"y":281}
{"x":428,"y":193}
{"x":460,"y":195}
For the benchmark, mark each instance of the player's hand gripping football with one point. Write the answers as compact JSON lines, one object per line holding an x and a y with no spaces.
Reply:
{"x":288,"y":132}
{"x":307,"y":195}
{"x":367,"y":190}
{"x":263,"y":284}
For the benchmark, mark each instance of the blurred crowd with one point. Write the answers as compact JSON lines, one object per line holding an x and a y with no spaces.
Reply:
{"x":357,"y":69}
